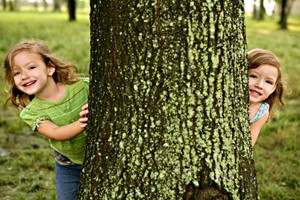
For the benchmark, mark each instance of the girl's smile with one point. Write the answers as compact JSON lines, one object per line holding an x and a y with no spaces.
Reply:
{"x":255,"y":93}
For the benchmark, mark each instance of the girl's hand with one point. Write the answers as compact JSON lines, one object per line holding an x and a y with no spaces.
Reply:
{"x":84,"y":116}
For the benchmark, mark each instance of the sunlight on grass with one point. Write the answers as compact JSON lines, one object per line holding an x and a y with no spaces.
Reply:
{"x":294,"y":24}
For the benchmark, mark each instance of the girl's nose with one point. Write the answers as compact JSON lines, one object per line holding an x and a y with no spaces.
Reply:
{"x":259,"y":84}
{"x":24,"y":75}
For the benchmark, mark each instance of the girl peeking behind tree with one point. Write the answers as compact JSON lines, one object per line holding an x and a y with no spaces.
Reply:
{"x":265,"y":88}
{"x":53,"y":99}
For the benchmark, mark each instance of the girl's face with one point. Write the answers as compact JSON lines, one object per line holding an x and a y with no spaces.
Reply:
{"x":30,"y":73}
{"x":262,"y":82}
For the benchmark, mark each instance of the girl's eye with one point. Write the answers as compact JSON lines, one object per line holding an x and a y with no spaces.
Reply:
{"x":31,"y":67}
{"x":270,"y":82}
{"x":252,"y":76}
{"x":16,"y":73}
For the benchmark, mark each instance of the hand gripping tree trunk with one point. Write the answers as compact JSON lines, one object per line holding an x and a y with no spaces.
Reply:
{"x":168,"y":102}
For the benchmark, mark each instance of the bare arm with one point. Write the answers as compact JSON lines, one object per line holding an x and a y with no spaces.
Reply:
{"x":60,"y":133}
{"x":256,"y":127}
{"x":63,"y":133}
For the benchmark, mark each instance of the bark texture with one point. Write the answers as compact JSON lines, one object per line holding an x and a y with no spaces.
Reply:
{"x":168,"y":102}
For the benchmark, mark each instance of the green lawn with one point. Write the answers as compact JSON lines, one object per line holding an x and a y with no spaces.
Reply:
{"x":28,"y":171}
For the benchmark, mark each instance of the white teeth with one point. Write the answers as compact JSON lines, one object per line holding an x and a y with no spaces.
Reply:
{"x":255,"y":92}
{"x":28,"y":84}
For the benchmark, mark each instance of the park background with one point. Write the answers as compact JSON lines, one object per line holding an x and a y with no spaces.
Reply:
{"x":26,"y":160}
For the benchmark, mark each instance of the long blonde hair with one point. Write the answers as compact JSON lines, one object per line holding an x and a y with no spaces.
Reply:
{"x":65,"y":73}
{"x":258,"y":57}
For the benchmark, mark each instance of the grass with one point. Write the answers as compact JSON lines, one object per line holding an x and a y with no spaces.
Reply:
{"x":27,"y":164}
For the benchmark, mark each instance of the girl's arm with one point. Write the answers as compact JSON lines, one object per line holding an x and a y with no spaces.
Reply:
{"x":256,"y":127}
{"x":60,"y":133}
{"x":63,"y":133}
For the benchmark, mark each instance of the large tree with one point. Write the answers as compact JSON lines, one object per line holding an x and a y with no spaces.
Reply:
{"x":168,"y":102}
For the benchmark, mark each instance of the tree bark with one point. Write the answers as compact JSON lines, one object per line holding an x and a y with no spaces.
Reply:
{"x":168,"y":102}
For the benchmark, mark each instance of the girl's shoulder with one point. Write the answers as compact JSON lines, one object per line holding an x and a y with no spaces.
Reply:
{"x":263,"y":109}
{"x":85,"y":79}
{"x":34,"y":105}
{"x":82,"y":80}
{"x":79,"y":88}
{"x":33,"y":114}
{"x":79,"y":84}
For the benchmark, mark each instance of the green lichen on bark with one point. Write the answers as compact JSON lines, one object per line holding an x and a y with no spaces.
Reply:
{"x":168,"y":103}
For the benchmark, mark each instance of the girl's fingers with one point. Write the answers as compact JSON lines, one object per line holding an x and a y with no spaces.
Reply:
{"x":83,"y":116}
{"x":83,"y":113}
{"x":85,"y":107}
{"x":83,"y":125}
{"x":83,"y":119}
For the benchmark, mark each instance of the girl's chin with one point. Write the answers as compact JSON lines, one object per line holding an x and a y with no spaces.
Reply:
{"x":28,"y":92}
{"x":254,"y":101}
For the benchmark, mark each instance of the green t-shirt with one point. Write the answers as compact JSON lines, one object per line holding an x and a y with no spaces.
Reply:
{"x":61,"y":112}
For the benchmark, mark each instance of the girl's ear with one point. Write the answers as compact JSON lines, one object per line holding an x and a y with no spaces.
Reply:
{"x":51,"y":69}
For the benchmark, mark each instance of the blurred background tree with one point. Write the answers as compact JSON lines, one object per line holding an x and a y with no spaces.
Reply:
{"x":72,"y":10}
{"x":71,"y":5}
{"x":283,"y":8}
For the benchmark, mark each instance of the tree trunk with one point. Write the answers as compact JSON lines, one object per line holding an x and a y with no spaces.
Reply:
{"x":262,"y":10}
{"x":258,"y":10}
{"x":45,"y":5}
{"x":168,"y":102}
{"x":72,"y":10}
{"x":11,"y":6}
{"x":283,"y":14}
{"x":4,"y":4}
{"x":56,"y":6}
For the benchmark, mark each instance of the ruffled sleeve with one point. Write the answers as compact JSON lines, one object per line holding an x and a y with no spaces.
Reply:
{"x":33,"y":118}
